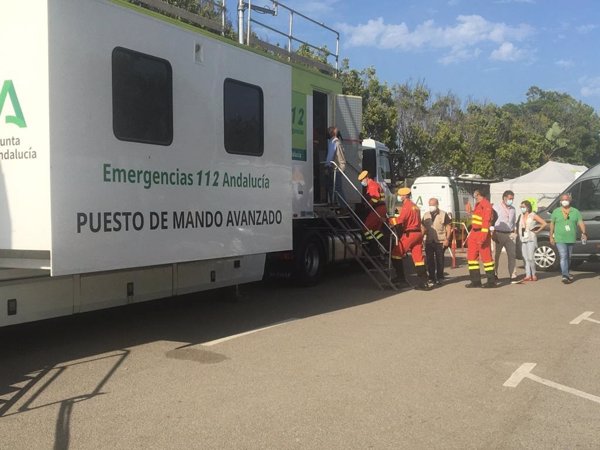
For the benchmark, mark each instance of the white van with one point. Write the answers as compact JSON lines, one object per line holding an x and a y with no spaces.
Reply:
{"x":455,"y":195}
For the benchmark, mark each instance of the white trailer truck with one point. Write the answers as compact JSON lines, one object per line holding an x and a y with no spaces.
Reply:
{"x":143,"y":157}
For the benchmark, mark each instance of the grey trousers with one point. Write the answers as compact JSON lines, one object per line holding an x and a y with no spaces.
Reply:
{"x":503,"y":240}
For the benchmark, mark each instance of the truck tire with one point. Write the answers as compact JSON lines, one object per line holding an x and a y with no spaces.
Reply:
{"x":309,"y":261}
{"x":546,"y":257}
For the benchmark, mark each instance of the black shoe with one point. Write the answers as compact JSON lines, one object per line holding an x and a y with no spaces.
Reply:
{"x":473,"y":285}
{"x":489,"y":285}
{"x":423,"y":287}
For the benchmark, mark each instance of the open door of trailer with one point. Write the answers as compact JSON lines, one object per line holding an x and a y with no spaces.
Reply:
{"x":348,"y":119}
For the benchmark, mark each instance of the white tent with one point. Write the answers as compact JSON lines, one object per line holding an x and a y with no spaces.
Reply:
{"x":543,"y":184}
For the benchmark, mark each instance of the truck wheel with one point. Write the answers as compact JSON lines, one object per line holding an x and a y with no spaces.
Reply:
{"x":309,"y":261}
{"x":546,"y":257}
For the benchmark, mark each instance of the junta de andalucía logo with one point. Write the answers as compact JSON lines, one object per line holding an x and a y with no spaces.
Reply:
{"x":8,"y":93}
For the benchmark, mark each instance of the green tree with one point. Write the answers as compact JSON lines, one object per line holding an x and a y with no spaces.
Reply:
{"x":380,"y":115}
{"x":414,"y":130}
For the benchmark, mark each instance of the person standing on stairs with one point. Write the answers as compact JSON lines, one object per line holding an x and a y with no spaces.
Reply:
{"x":408,"y":224}
{"x":376,"y":215}
{"x":336,"y":154}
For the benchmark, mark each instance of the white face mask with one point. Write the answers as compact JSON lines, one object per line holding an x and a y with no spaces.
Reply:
{"x":565,"y":203}
{"x":523,"y":210}
{"x":432,"y":209}
{"x":399,"y":199}
{"x":364,"y":183}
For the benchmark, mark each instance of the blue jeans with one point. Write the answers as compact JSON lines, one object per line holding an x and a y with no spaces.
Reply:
{"x":565,"y":251}
{"x":527,"y":250}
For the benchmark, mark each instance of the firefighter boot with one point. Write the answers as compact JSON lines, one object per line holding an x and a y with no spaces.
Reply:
{"x":422,"y":284}
{"x":399,"y":268}
{"x":373,"y":248}
{"x":491,"y":280}
{"x":475,"y":278}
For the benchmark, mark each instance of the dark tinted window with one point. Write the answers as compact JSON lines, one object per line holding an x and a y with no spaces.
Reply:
{"x":243,"y":116}
{"x":142,"y":97}
{"x":574,"y":193}
{"x":589,"y":198}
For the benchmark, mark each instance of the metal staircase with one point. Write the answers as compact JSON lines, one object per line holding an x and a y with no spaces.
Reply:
{"x":344,"y":223}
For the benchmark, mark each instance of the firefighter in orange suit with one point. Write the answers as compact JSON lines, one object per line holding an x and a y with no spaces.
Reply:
{"x":410,"y":238}
{"x":374,"y":220}
{"x":479,"y":243}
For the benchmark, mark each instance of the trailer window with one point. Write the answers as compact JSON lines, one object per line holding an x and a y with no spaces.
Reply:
{"x":243,"y":118}
{"x":142,"y":97}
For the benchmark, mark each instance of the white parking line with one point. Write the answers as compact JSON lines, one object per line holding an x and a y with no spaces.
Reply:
{"x":585,"y":316}
{"x":246,"y":333}
{"x":524,"y":371}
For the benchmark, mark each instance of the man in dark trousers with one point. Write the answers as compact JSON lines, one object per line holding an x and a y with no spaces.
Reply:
{"x":437,"y":236}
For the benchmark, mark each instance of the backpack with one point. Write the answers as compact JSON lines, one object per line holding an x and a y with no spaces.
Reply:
{"x":494,"y":218}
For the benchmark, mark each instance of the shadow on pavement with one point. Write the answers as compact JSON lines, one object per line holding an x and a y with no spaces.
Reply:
{"x":35,"y":355}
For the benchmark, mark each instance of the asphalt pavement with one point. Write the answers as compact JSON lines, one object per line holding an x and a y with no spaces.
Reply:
{"x":341,"y":365}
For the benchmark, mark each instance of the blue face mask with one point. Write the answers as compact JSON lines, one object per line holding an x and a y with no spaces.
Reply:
{"x":509,"y":202}
{"x":523,"y":210}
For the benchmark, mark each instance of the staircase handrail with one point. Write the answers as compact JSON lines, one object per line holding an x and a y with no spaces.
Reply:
{"x":364,"y":199}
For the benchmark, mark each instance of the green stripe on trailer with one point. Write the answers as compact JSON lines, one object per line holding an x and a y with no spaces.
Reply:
{"x":306,"y":81}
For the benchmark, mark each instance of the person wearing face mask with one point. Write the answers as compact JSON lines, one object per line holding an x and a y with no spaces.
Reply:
{"x":504,"y":234}
{"x":376,"y":215}
{"x":479,"y":243}
{"x":529,"y":225}
{"x":563,"y":233}
{"x":410,"y":238}
{"x":437,"y":237}
{"x":335,"y":153}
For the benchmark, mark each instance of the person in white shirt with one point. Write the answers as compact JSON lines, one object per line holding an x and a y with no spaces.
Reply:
{"x":504,"y":233}
{"x":529,"y":225}
{"x":335,"y":153}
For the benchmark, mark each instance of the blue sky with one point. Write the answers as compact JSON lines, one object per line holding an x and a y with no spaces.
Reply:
{"x":487,"y":50}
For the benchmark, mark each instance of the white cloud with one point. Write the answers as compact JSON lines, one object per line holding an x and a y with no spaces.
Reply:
{"x":585,"y":29}
{"x":462,"y":39}
{"x":564,"y":63}
{"x":459,"y":55}
{"x":508,"y":52}
{"x":590,"y":86}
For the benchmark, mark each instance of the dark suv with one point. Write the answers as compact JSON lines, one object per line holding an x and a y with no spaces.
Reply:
{"x":585,"y":192}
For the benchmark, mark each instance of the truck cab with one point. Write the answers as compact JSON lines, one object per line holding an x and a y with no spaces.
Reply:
{"x":375,"y":157}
